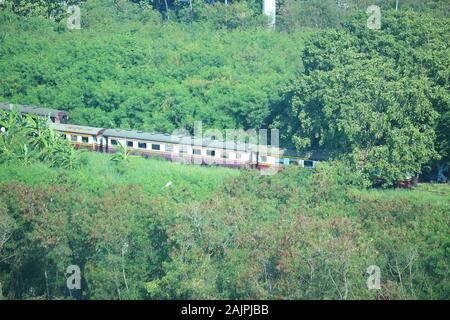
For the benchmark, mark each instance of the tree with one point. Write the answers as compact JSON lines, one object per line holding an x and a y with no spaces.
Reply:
{"x":122,"y":154}
{"x":357,"y":99}
{"x":28,"y":138}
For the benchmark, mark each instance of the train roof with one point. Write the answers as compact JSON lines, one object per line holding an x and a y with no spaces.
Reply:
{"x":217,"y":144}
{"x":76,"y":129}
{"x":176,"y":139}
{"x":32,"y":109}
{"x":163,"y":137}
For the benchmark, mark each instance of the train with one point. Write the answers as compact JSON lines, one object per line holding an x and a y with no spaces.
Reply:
{"x":55,"y":116}
{"x":174,"y":147}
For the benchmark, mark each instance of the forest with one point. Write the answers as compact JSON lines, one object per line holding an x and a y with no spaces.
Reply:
{"x":318,"y":82}
{"x":212,"y":233}
{"x":376,"y":100}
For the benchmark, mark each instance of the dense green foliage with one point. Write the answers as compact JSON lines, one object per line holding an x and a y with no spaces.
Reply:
{"x":291,"y":14}
{"x":377,"y":94}
{"x":143,"y":74}
{"x":294,"y":15}
{"x":213,"y":234}
{"x":302,"y":235}
{"x":29,"y":139}
{"x":378,"y":100}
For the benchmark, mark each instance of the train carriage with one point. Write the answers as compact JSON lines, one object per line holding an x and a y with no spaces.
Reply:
{"x":81,"y":136}
{"x":181,"y":148}
{"x":306,"y":159}
{"x":174,"y":147}
{"x":55,"y":116}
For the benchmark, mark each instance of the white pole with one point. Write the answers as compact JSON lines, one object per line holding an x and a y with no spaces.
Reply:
{"x":269,"y":9}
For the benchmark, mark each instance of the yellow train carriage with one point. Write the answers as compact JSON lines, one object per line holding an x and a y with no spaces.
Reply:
{"x":81,"y":136}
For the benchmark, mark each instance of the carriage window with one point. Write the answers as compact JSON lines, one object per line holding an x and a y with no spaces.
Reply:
{"x":211,"y":153}
{"x":73,"y":138}
{"x":113,"y":142}
{"x":130,"y":144}
{"x":293,"y":162}
{"x":183,"y":149}
{"x":224,"y":154}
{"x":84,"y":139}
{"x":142,"y":145}
{"x":308,"y":164}
{"x":169,"y":148}
{"x":196,"y":151}
{"x":263,"y":158}
{"x":238,"y":155}
{"x":156,"y":147}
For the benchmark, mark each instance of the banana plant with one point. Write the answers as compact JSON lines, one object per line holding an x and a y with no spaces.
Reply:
{"x":66,"y":157}
{"x":12,"y":145}
{"x":47,"y":142}
{"x":9,"y":119}
{"x":27,"y":138}
{"x":122,"y":154}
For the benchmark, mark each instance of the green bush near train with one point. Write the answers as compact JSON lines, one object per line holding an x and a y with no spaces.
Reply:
{"x":217,"y":233}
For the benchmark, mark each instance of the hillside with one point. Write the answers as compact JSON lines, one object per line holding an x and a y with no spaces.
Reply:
{"x":218,"y":233}
{"x":376,"y":100}
{"x":131,"y":67}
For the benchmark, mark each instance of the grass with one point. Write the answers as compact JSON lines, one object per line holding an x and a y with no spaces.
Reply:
{"x":260,"y":218}
{"x":188,"y":181}
{"x":98,"y":173}
{"x":423,"y":193}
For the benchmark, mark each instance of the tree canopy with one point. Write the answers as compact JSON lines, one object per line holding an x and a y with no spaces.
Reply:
{"x":378,"y":95}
